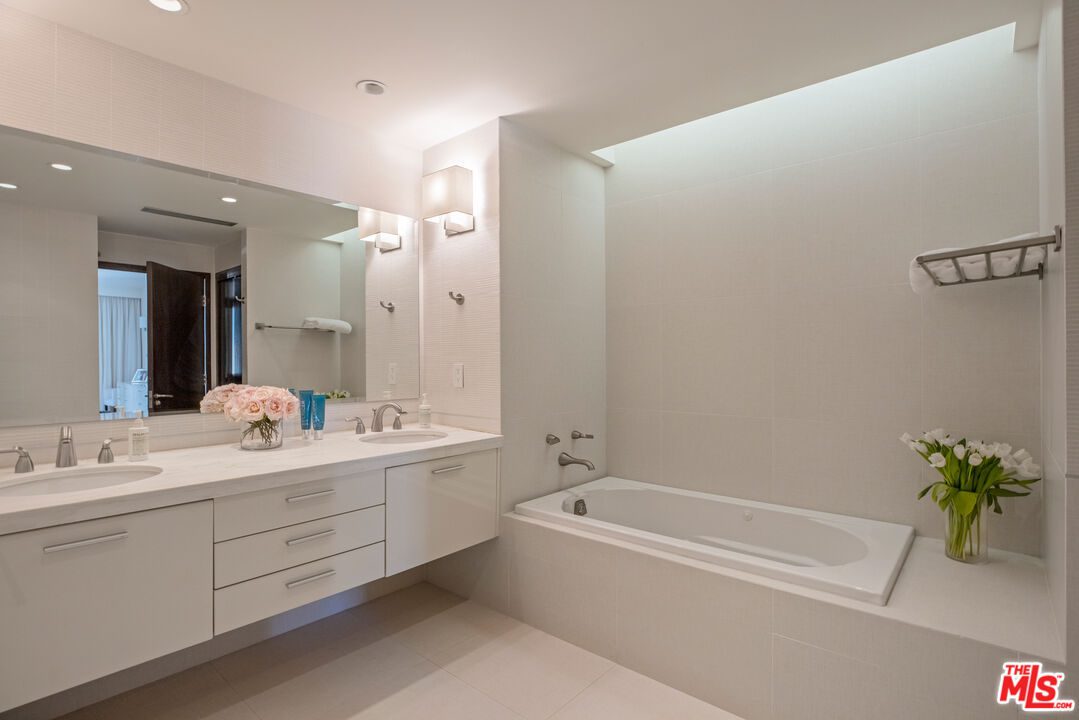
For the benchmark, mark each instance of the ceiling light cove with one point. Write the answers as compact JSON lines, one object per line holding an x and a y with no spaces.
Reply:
{"x":171,"y":6}
{"x":371,"y":87}
{"x":229,"y":200}
{"x":62,"y":167}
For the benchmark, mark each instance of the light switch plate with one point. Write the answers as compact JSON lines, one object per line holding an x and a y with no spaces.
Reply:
{"x":458,"y":375}
{"x":392,"y":374}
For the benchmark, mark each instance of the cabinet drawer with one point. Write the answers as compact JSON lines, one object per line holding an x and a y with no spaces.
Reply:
{"x":246,"y":602}
{"x":80,"y":601}
{"x":263,"y":553}
{"x":439,"y":507}
{"x":250,"y":513}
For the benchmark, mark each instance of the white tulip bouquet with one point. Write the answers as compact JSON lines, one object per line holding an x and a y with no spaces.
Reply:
{"x":975,"y":476}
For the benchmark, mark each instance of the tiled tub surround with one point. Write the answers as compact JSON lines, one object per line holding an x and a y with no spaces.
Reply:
{"x":759,"y":313}
{"x":848,"y":556}
{"x":767,"y":650}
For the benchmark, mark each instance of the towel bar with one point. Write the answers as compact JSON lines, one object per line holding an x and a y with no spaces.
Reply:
{"x":1056,"y":240}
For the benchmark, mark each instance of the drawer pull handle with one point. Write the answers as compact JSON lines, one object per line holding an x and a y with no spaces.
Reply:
{"x":447,"y":469}
{"x":308,"y":538}
{"x":310,"y":496}
{"x":310,"y":579}
{"x":84,"y":543}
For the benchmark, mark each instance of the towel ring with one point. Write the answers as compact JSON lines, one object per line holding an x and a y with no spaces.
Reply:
{"x":388,"y":305}
{"x":457,"y":297}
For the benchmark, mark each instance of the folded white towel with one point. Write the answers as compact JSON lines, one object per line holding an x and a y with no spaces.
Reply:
{"x":1004,"y":263}
{"x":331,"y":324}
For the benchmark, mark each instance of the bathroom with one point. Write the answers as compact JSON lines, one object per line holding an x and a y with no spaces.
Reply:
{"x":489,"y":287}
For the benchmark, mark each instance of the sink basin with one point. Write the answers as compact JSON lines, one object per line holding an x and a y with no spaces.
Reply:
{"x":400,"y":437}
{"x":77,"y":479}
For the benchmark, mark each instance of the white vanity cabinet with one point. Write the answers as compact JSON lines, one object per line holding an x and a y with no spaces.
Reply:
{"x":438,"y":507}
{"x":281,"y":548}
{"x":80,"y":601}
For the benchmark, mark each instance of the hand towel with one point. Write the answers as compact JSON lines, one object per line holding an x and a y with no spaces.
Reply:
{"x":1004,"y":263}
{"x":331,"y":324}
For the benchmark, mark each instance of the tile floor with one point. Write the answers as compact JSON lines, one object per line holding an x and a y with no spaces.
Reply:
{"x":419,"y":653}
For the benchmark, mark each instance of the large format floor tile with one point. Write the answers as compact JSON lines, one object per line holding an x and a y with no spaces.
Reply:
{"x":417,"y":654}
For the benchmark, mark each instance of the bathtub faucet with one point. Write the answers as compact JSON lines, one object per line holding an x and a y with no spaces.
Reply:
{"x":566,"y":459}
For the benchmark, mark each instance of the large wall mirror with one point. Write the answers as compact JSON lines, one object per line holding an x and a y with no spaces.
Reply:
{"x":131,"y":286}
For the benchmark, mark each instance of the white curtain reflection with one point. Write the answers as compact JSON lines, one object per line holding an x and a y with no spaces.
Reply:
{"x":120,"y":345}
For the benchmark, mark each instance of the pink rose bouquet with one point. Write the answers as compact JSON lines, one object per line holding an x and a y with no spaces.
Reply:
{"x":261,"y":407}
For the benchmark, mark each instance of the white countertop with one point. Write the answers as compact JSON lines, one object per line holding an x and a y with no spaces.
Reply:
{"x":201,"y":473}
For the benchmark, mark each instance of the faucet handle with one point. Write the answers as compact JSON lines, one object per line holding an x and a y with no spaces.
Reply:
{"x":25,"y":463}
{"x":397,"y":420}
{"x":578,"y":435}
{"x":65,"y":434}
{"x":360,"y":427}
{"x":105,"y":456}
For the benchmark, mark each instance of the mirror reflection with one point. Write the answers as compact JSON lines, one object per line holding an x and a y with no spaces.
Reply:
{"x":132,"y":287}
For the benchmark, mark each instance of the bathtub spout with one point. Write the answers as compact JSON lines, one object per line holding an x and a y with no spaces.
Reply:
{"x":566,"y":459}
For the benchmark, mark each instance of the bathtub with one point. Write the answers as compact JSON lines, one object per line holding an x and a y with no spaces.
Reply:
{"x":844,"y":555}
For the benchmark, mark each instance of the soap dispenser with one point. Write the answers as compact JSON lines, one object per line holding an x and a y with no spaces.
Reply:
{"x":138,"y":440}
{"x":425,"y":412}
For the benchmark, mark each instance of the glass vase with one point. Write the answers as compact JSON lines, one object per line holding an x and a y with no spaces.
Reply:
{"x":966,"y":537}
{"x":262,"y":435}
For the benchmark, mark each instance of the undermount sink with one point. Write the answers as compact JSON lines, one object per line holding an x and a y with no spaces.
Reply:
{"x":400,"y":437}
{"x":77,"y":479}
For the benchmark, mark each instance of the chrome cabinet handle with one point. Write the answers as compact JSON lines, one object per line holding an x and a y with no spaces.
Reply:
{"x":310,"y":579}
{"x":84,"y":543}
{"x":447,"y":469}
{"x":309,"y":538}
{"x":309,"y":496}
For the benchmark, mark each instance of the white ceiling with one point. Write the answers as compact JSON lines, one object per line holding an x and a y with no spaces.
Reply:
{"x":116,"y":188}
{"x":585,"y":73}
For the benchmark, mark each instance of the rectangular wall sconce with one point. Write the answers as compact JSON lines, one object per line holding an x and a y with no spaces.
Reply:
{"x":381,"y":228}
{"x":447,"y":199}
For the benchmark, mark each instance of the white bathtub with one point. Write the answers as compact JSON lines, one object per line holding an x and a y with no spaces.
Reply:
{"x":845,"y":555}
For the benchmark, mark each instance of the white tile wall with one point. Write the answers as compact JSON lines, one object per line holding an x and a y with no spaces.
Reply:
{"x":758,"y":312}
{"x":1053,"y":305}
{"x":467,"y":263}
{"x":541,"y":281}
{"x":1070,"y":54}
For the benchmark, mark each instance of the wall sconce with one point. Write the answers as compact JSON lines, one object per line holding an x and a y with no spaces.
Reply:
{"x":381,"y":228}
{"x":447,"y":199}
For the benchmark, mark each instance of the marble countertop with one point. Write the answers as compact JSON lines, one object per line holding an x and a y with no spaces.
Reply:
{"x":201,"y":473}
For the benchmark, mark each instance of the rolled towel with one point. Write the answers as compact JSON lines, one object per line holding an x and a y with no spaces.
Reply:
{"x":331,"y":324}
{"x":1004,"y":263}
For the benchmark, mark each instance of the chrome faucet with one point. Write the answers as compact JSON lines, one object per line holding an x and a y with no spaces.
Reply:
{"x":65,"y":449}
{"x":105,"y":455}
{"x":360,"y":429}
{"x":25,"y":463}
{"x":566,"y":459}
{"x":376,"y":424}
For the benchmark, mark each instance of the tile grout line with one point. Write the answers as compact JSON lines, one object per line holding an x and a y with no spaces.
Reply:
{"x":232,"y":688}
{"x":602,"y":675}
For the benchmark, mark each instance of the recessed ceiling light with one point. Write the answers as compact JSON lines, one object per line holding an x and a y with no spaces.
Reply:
{"x":228,"y":200}
{"x":173,"y":6}
{"x":8,"y":186}
{"x":61,"y":166}
{"x":371,"y":87}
